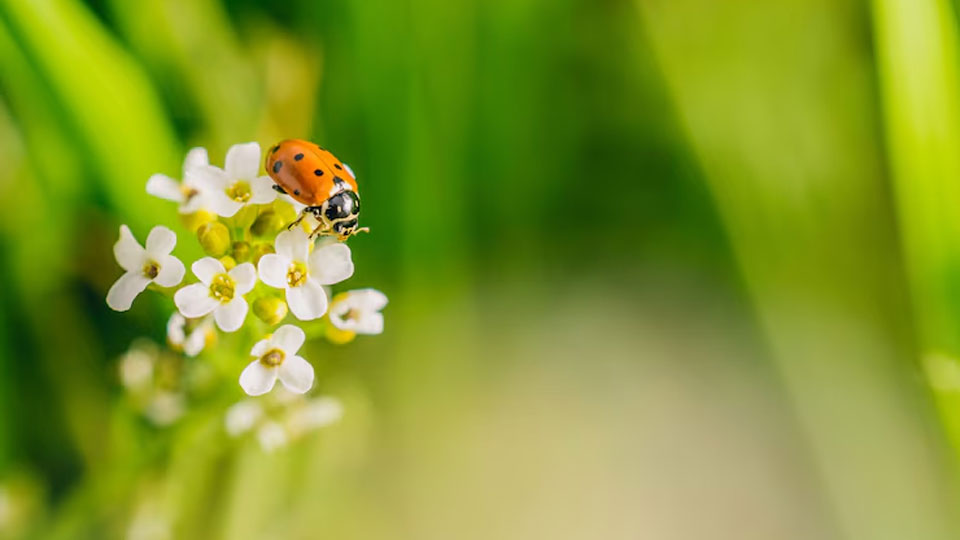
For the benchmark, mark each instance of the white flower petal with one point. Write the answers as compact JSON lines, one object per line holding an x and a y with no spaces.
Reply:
{"x":160,"y":241}
{"x":207,"y":178}
{"x":273,"y":270}
{"x":196,"y":157}
{"x":242,"y":416}
{"x":257,"y":379}
{"x":230,"y":316}
{"x":243,"y":161}
{"x":293,"y":245}
{"x":370,"y":323}
{"x":160,"y":185}
{"x":315,"y":414}
{"x":261,"y":347}
{"x":175,"y":326}
{"x":171,"y":271}
{"x":129,"y":253}
{"x":289,"y":338}
{"x":206,"y":269}
{"x":244,"y":278}
{"x":272,"y":436}
{"x":194,"y":204}
{"x":222,"y":205}
{"x":121,"y":294}
{"x":261,"y":190}
{"x":195,"y":300}
{"x":331,"y":264}
{"x":296,"y":374}
{"x":307,"y":301}
{"x":196,"y":341}
{"x":368,"y":299}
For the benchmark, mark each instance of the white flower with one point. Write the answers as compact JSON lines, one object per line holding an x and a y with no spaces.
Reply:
{"x":303,"y":274}
{"x":276,"y":358}
{"x":238,"y":184}
{"x":242,"y":416}
{"x":315,"y":414}
{"x":189,"y":194}
{"x":219,"y":292}
{"x":165,"y":408}
{"x":271,"y":436}
{"x":153,"y":264}
{"x":136,"y":368}
{"x":358,"y":311}
{"x":190,"y":344}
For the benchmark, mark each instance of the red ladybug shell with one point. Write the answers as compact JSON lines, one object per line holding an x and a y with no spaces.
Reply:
{"x":307,"y":172}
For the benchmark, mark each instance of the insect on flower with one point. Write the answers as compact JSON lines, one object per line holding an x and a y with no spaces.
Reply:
{"x":303,"y":274}
{"x":315,"y":177}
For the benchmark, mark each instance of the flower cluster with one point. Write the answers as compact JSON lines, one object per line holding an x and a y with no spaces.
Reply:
{"x":256,"y":262}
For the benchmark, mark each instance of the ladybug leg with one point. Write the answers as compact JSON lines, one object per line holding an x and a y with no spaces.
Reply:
{"x":297,"y":221}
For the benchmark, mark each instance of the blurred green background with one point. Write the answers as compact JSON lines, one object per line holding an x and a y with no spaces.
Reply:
{"x":665,"y":269}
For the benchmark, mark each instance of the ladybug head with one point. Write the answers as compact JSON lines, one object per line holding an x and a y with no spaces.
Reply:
{"x":340,"y":212}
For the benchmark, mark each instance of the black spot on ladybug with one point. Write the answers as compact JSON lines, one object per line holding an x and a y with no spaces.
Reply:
{"x":278,"y":189}
{"x":275,"y":148}
{"x":277,"y":165}
{"x":298,"y":157}
{"x":337,"y":180}
{"x":337,"y":165}
{"x":318,"y":172}
{"x":296,"y":192}
{"x":322,"y":149}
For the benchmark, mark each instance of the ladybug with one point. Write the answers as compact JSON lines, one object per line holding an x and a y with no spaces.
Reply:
{"x":315,"y":177}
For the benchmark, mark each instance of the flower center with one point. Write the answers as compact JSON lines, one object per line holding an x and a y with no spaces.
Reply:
{"x":151,"y":269}
{"x":240,"y":191}
{"x":297,"y":274}
{"x":352,"y":315}
{"x":272,"y":358}
{"x":221,"y":288}
{"x":188,"y":192}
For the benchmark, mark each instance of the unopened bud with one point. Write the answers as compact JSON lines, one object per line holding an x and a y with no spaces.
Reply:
{"x":241,"y":251}
{"x":335,"y":335}
{"x":214,"y":237}
{"x":259,"y":250}
{"x":228,"y":262}
{"x":268,"y":223}
{"x":197,"y":219}
{"x":245,"y":216}
{"x":270,"y":309}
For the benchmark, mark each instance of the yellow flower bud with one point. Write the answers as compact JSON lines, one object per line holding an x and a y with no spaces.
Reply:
{"x":285,"y":210}
{"x":214,"y":237}
{"x":270,"y":309}
{"x":228,"y":262}
{"x":335,"y":335}
{"x":268,"y":223}
{"x":259,"y":250}
{"x":197,"y":219}
{"x":241,"y":251}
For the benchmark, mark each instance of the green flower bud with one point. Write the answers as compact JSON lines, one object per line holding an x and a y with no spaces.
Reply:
{"x":270,"y":309}
{"x":244,"y":218}
{"x":228,"y":262}
{"x":268,"y":223}
{"x":259,"y":250}
{"x":285,"y":210}
{"x":214,"y":237}
{"x":241,"y":251}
